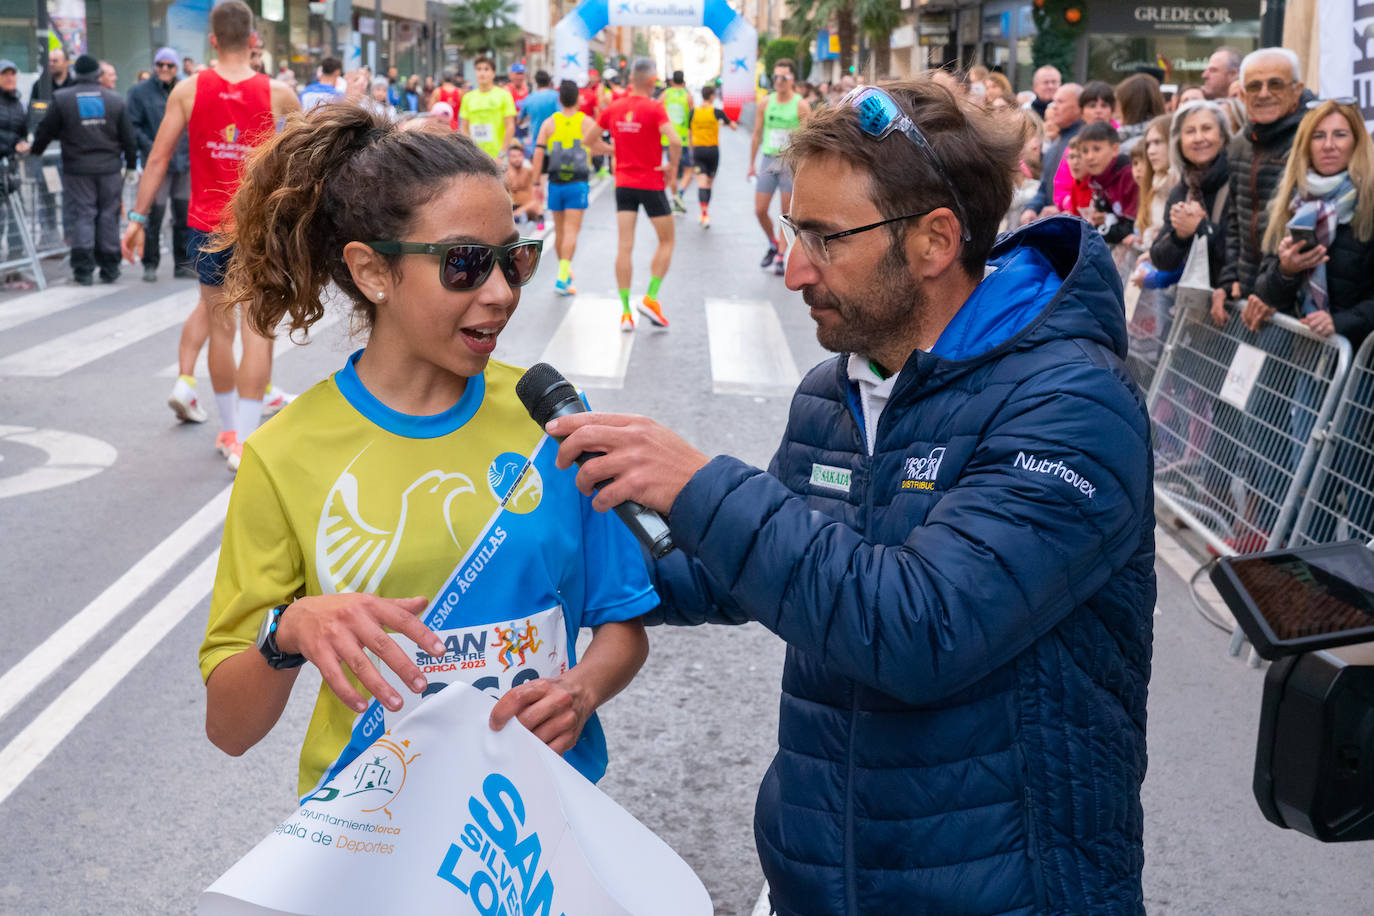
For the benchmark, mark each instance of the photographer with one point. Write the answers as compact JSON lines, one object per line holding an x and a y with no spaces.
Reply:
{"x":14,"y":132}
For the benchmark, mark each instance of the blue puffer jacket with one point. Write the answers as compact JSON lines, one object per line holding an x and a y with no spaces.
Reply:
{"x":967,"y":611}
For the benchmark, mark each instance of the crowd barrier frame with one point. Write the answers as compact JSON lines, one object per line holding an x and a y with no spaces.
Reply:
{"x":38,"y":212}
{"x":1238,"y":420}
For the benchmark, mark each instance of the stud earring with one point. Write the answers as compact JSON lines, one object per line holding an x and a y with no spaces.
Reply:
{"x":381,"y":296}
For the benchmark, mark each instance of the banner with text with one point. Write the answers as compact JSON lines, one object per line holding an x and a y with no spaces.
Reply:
{"x":1346,"y":37}
{"x":444,"y":815}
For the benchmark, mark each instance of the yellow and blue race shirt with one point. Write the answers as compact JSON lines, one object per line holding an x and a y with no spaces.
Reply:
{"x":339,"y":493}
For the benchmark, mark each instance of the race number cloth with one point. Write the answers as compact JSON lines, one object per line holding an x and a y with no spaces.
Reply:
{"x":444,"y":815}
{"x":486,"y":113}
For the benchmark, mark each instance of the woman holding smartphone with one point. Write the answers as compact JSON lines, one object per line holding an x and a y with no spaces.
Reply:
{"x":353,"y":507}
{"x":1319,"y":261}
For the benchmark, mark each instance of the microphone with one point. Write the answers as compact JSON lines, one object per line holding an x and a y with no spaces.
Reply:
{"x":546,"y":394}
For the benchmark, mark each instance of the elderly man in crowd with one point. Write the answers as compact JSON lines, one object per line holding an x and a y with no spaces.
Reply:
{"x":1045,"y":83}
{"x":1223,"y":68}
{"x":1274,"y":98}
{"x":1067,"y":116}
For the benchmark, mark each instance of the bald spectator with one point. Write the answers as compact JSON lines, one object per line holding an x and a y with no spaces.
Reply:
{"x":1067,"y":117}
{"x":1223,"y":68}
{"x":1274,"y":98}
{"x":1045,"y":84}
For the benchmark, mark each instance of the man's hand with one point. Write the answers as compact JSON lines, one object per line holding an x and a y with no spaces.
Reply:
{"x":555,"y":710}
{"x":332,"y":631}
{"x":131,"y":246}
{"x":650,"y":463}
{"x":22,"y":146}
{"x":1256,"y":312}
{"x":752,"y":173}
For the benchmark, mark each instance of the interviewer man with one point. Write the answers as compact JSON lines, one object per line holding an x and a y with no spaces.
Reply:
{"x":954,"y":538}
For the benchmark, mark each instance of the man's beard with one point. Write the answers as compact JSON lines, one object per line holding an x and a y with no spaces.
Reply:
{"x":890,"y":307}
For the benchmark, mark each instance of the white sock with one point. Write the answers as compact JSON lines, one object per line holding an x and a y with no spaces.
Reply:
{"x":228,"y":410}
{"x":250,"y":415}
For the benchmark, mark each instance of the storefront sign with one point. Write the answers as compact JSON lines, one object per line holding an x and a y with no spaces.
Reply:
{"x":1152,"y":18}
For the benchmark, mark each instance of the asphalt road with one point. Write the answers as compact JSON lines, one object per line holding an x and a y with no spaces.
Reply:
{"x":111,"y":799}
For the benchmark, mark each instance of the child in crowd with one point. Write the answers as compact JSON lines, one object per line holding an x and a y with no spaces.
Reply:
{"x":1075,"y":196}
{"x":1114,"y":193}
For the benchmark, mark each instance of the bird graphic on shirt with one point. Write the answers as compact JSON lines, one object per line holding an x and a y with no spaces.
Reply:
{"x":352,"y":555}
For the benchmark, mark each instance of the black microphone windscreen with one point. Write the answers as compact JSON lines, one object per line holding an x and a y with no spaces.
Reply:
{"x":542,"y":389}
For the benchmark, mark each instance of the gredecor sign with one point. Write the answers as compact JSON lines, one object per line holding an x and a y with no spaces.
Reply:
{"x":1151,"y":18}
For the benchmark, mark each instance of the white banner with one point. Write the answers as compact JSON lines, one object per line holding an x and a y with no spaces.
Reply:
{"x":443,"y":815}
{"x":656,"y":12}
{"x":1346,"y":36}
{"x":739,"y":52}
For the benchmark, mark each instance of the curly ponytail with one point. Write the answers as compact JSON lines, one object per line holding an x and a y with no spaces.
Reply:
{"x":337,"y":174}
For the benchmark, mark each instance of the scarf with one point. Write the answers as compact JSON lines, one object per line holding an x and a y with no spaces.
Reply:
{"x":1328,"y":202}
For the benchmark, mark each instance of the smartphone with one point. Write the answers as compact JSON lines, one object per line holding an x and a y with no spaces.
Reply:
{"x":1306,"y":238}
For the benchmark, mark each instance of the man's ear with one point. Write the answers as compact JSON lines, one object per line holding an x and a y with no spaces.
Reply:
{"x":933,"y":244}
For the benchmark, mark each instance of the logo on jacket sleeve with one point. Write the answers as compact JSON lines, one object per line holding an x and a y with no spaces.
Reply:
{"x":920,"y":473}
{"x":830,"y":478}
{"x":1055,"y":469}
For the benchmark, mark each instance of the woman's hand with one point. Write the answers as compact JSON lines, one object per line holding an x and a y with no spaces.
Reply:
{"x":1255,"y":313}
{"x":1320,"y":323}
{"x":1294,"y":260}
{"x":334,"y":632}
{"x":1185,"y":216}
{"x":1219,"y":315}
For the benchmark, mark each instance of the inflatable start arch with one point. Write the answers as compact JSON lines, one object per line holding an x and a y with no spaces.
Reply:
{"x":739,"y":40}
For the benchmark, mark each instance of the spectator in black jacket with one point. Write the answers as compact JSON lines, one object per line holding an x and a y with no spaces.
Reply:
{"x":1328,"y":187}
{"x":1197,"y":150}
{"x":147,"y":106}
{"x":1273,"y":102}
{"x":93,"y":127}
{"x":14,"y":141}
{"x":59,"y":76}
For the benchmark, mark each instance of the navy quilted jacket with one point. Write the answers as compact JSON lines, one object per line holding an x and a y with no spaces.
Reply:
{"x":967,"y":611}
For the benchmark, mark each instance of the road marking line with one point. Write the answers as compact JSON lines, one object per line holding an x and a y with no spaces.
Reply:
{"x":749,"y":351}
{"x":71,"y":457}
{"x":28,"y":308}
{"x":761,"y":906}
{"x":589,"y":348}
{"x":72,"y":636}
{"x":61,"y":355}
{"x":282,"y":344}
{"x":50,"y":727}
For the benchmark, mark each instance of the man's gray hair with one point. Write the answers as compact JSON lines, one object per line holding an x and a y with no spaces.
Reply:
{"x":642,"y":69}
{"x":1261,"y":53}
{"x":1232,"y":56}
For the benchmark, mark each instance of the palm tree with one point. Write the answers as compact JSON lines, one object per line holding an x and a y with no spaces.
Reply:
{"x":483,"y":26}
{"x":879,"y":19}
{"x":809,"y":16}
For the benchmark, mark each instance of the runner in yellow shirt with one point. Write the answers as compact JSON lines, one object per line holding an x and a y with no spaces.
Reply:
{"x":487,"y":113}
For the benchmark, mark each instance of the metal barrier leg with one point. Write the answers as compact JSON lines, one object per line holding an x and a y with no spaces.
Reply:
{"x":1237,"y":642}
{"x":16,"y":213}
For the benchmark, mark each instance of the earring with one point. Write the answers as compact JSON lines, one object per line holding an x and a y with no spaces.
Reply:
{"x":381,"y":296}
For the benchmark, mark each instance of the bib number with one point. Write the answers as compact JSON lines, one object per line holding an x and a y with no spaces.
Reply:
{"x":778,"y":137}
{"x":483,"y":133}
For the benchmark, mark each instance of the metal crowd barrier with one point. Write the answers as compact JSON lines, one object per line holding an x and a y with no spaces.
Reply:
{"x":1149,"y":330}
{"x":32,"y":221}
{"x":1339,"y":501}
{"x":1234,"y":414}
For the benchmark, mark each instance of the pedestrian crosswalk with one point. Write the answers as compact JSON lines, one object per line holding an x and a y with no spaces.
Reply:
{"x":748,"y":348}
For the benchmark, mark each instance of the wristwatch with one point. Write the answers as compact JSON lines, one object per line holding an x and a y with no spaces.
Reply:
{"x":267,"y":642}
{"x":138,"y":218}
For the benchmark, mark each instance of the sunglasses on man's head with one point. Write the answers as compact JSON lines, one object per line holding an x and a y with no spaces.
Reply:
{"x":467,"y":265}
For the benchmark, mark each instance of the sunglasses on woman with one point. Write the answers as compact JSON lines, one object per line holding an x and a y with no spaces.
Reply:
{"x":879,"y":116}
{"x":467,"y":265}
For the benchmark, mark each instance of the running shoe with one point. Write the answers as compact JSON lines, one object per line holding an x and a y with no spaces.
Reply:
{"x":627,"y":322}
{"x":539,"y":226}
{"x":678,"y":208}
{"x":274,"y":401}
{"x":235,"y":456}
{"x":564,"y":289}
{"x":603,"y":173}
{"x":184,"y":403}
{"x":650,"y":309}
{"x":770,"y":257}
{"x":705,"y":221}
{"x":780,"y":266}
{"x":226,"y":441}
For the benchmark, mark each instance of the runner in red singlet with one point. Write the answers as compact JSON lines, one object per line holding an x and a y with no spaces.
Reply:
{"x":228,"y":110}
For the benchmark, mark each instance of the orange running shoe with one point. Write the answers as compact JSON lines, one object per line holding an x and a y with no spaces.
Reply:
{"x":650,"y":309}
{"x":627,"y":322}
{"x":225,"y":442}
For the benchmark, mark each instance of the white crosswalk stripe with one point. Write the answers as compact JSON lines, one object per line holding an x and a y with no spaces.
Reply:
{"x":62,"y":354}
{"x":588,"y":347}
{"x":749,"y":352}
{"x":282,"y":344}
{"x":54,"y":299}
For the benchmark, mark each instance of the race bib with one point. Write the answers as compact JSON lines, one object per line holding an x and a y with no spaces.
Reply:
{"x":778,"y":137}
{"x":676,"y":113}
{"x":492,"y":657}
{"x":483,"y":133}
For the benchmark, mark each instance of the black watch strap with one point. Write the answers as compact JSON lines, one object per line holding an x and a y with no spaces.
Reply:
{"x":267,"y":642}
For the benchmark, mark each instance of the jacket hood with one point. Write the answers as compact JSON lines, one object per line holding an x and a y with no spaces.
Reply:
{"x":1052,"y":279}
